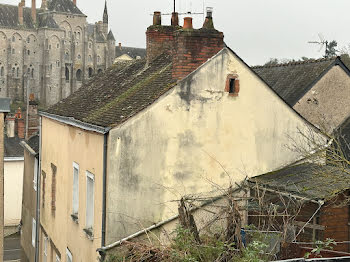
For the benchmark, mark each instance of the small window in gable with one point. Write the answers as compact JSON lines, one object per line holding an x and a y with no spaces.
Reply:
{"x":232,"y":85}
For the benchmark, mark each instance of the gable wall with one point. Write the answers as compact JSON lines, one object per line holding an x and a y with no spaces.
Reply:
{"x":195,"y":139}
{"x":316,"y":105}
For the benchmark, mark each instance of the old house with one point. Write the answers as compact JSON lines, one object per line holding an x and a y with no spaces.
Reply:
{"x":187,"y":119}
{"x":51,"y":50}
{"x":325,"y":209}
{"x":317,"y":89}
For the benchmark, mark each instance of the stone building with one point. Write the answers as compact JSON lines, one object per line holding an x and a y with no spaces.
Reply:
{"x":52,"y":50}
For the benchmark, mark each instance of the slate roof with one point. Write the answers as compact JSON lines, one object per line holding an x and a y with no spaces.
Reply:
{"x":5,"y":105}
{"x":33,"y":142}
{"x":307,"y":180}
{"x":130,"y":51}
{"x":291,"y":81}
{"x":9,"y":16}
{"x":118,"y":94}
{"x":110,"y":35}
{"x":64,"y":6}
{"x":12,"y":147}
{"x":47,"y":21}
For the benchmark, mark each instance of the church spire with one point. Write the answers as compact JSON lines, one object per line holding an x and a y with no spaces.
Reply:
{"x":105,"y":14}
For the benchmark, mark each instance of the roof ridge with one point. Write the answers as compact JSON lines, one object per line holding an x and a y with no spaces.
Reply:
{"x":310,"y":61}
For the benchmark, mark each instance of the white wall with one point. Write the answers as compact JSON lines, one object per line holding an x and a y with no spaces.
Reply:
{"x":13,"y":184}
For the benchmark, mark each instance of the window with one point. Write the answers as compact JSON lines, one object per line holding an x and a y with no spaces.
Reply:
{"x":28,"y":40}
{"x":58,"y":63}
{"x":90,"y":58}
{"x":98,"y":59}
{"x":75,"y":189}
{"x":67,"y":74}
{"x":99,"y":71}
{"x":43,"y":190}
{"x":69,"y":34}
{"x":232,"y":85}
{"x":2,"y":71}
{"x":13,"y":39}
{"x":13,"y":71}
{"x":53,"y":188}
{"x":69,"y":257}
{"x":45,"y":249}
{"x":78,"y":35}
{"x":91,"y":72}
{"x":33,"y":232}
{"x":78,"y":75}
{"x":17,"y":72}
{"x":89,"y":200}
{"x":58,"y":46}
{"x":35,"y":180}
{"x":79,"y":56}
{"x":32,"y":73}
{"x":28,"y":52}
{"x":90,"y":45}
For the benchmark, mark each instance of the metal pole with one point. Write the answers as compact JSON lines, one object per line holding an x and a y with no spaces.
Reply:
{"x":174,"y":6}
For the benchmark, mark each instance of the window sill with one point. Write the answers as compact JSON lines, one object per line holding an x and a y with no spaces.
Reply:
{"x":233,"y":94}
{"x":75,"y":218}
{"x":89,"y":233}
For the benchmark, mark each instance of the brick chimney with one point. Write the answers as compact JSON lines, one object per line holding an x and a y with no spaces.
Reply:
{"x":20,"y":12}
{"x":19,"y":126}
{"x":34,"y":11}
{"x":160,"y":38}
{"x":33,"y":118}
{"x":189,"y":48}
{"x":10,"y":126}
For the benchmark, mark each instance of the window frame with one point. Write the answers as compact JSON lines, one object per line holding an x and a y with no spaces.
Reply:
{"x":33,"y":232}
{"x":75,"y":212}
{"x":69,"y":255}
{"x":89,"y":227}
{"x":236,"y":90}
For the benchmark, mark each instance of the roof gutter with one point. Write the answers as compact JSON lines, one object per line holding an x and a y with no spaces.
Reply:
{"x":76,"y":123}
{"x":28,"y":148}
{"x":14,"y":159}
{"x":104,"y":194}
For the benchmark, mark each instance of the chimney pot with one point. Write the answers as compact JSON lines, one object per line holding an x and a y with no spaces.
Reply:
{"x":209,"y":12}
{"x":75,"y":2}
{"x":175,"y":19}
{"x":120,"y":45}
{"x":188,"y":23}
{"x":157,"y":18}
{"x":10,"y":126}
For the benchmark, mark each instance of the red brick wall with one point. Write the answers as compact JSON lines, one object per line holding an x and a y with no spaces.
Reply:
{"x":336,"y":222}
{"x":160,"y":39}
{"x":194,"y":48}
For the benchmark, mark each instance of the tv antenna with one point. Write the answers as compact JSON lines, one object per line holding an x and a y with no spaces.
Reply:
{"x":323,"y":43}
{"x":186,"y":13}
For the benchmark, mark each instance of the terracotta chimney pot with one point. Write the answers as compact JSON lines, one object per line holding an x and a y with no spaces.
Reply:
{"x":188,"y":23}
{"x":157,"y":18}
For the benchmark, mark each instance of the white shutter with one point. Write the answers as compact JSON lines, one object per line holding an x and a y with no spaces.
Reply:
{"x":35,"y":175}
{"x":89,"y":200}
{"x":75,"y":207}
{"x":33,"y":232}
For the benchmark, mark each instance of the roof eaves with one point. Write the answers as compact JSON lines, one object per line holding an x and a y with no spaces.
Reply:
{"x":76,"y":123}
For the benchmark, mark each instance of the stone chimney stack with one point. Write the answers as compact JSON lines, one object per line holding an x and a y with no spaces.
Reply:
{"x":189,"y":48}
{"x":33,"y":118}
{"x":34,"y":11}
{"x":20,"y":12}
{"x":10,"y":126}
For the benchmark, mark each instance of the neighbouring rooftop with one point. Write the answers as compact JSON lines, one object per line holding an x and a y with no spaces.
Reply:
{"x":133,"y":52}
{"x":293,"y":80}
{"x":317,"y":182}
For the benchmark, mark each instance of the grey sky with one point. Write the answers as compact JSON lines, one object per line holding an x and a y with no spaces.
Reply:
{"x":255,"y":29}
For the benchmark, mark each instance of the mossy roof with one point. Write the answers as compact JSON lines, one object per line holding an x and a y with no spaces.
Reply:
{"x":119,"y":93}
{"x":313,"y":181}
{"x":293,"y":80}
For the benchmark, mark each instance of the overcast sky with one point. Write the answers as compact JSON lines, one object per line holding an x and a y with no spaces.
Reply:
{"x":255,"y":29}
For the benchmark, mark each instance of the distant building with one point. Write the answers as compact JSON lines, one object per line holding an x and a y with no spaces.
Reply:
{"x":123,"y":53}
{"x":52,"y":49}
{"x":119,"y":152}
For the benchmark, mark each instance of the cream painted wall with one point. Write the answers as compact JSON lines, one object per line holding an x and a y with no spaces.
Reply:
{"x":326,"y":104}
{"x":195,"y":139}
{"x":62,"y":145}
{"x":13,"y":185}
